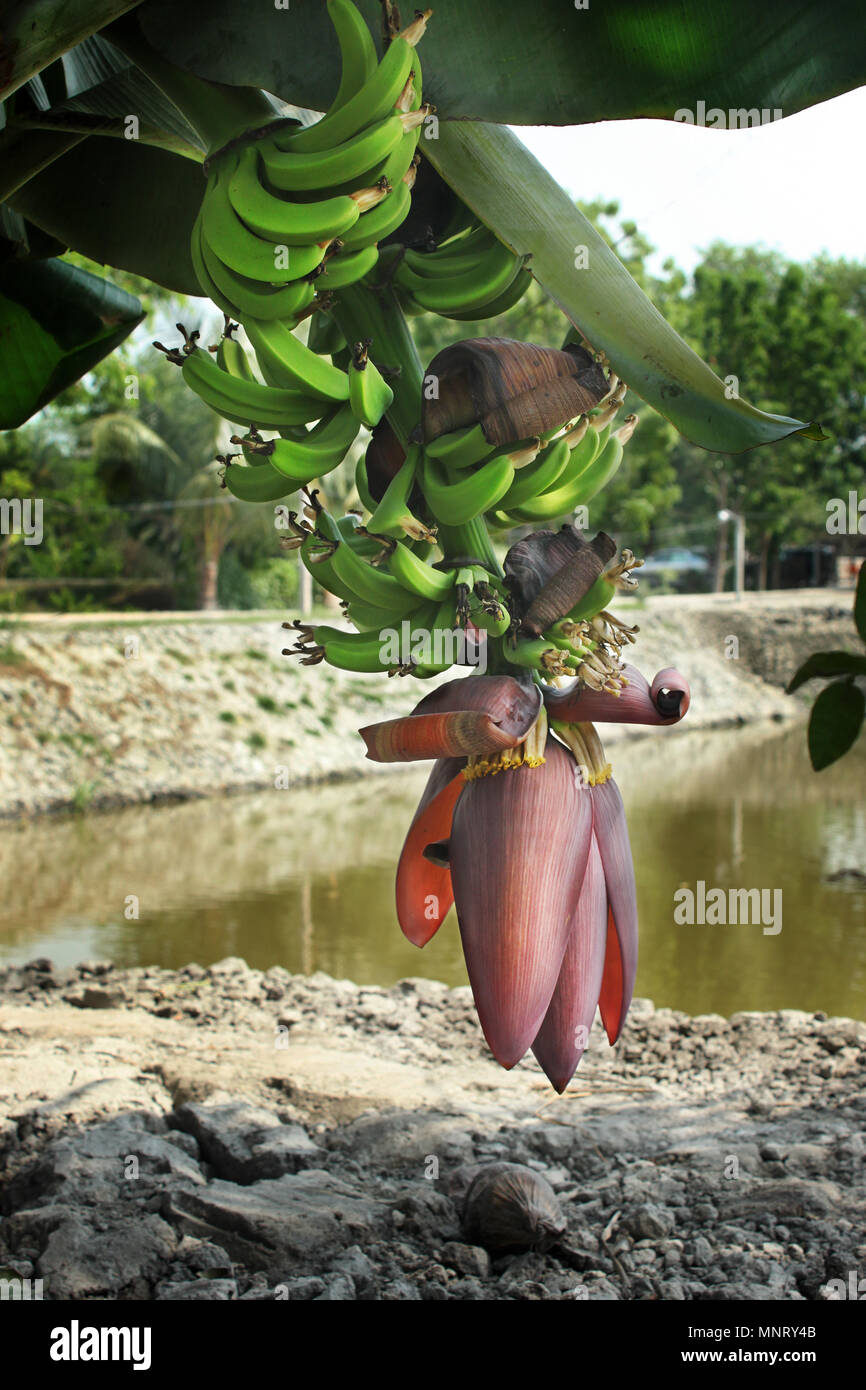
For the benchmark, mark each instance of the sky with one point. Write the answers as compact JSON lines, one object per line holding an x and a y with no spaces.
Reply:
{"x":794,"y":185}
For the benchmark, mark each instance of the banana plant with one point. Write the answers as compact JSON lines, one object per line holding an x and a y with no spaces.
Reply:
{"x":352,"y":222}
{"x":839,"y":710}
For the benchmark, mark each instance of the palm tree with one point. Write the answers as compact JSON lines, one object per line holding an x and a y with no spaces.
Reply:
{"x":166,"y":449}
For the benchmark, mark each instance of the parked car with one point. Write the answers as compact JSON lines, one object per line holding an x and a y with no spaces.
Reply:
{"x":677,"y":560}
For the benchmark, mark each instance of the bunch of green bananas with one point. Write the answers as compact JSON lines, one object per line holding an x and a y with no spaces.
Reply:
{"x":406,"y":612}
{"x":463,"y":477}
{"x":299,"y":207}
{"x":285,"y":216}
{"x":470,"y":275}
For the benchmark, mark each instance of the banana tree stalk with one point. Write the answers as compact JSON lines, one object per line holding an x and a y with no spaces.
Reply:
{"x":498,"y":177}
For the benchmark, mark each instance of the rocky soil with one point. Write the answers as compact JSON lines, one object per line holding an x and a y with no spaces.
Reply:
{"x":104,"y":713}
{"x":228,"y":1134}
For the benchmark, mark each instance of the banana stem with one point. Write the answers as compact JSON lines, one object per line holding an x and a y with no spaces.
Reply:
{"x":216,"y":112}
{"x":362,"y":312}
{"x":469,"y":542}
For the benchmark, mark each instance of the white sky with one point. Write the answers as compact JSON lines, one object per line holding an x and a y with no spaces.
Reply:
{"x":794,"y":185}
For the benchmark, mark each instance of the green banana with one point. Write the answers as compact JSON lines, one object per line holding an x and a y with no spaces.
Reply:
{"x":291,"y":172}
{"x":362,"y":485}
{"x":324,"y":447}
{"x":535,"y":477}
{"x":460,"y":448}
{"x":352,"y":651}
{"x":541,"y":655}
{"x":601,"y":470}
{"x":366,"y":583}
{"x":252,"y":299}
{"x":466,"y":292}
{"x":567,"y":492}
{"x":369,"y":393}
{"x":454,"y":504}
{"x":597,"y":597}
{"x":473,"y":236}
{"x":438,"y":638}
{"x":487,"y":609}
{"x":344,"y":269}
{"x":417,"y":576}
{"x":287,"y":222}
{"x":261,"y":483}
{"x":231,"y":358}
{"x":301,"y":368}
{"x":432,"y":266}
{"x":392,"y":517}
{"x":369,"y":618}
{"x":375,"y":99}
{"x":357,"y":50}
{"x":381,"y":221}
{"x":501,"y":304}
{"x":246,"y":402}
{"x":226,"y":231}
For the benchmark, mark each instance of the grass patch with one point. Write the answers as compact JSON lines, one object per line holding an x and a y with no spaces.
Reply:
{"x":254,"y":654}
{"x":9,"y":656}
{"x":267,"y":703}
{"x":256,"y":741}
{"x":228,"y":717}
{"x":230,"y":685}
{"x":179,"y":656}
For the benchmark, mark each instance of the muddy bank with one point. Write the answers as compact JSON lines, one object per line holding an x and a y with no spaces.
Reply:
{"x":227,"y":1133}
{"x":101,"y":714}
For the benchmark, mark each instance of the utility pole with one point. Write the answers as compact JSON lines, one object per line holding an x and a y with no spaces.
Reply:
{"x":739,"y":548}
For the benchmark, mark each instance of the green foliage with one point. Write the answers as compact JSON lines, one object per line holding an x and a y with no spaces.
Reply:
{"x":838,"y":712}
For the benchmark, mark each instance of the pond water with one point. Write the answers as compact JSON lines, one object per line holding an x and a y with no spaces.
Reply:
{"x":304,"y":878}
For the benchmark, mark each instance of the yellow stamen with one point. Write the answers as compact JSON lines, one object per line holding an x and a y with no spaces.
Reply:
{"x":529,"y":753}
{"x":588,"y":752}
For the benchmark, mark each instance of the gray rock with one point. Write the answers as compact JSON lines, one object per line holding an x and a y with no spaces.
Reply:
{"x":106,"y":1258}
{"x":407,"y":1139}
{"x":305,"y":1215}
{"x":300,"y":1290}
{"x":339,"y":1288}
{"x":471,"y":1260}
{"x":361,"y":1270}
{"x":199,"y":1291}
{"x":244,"y":1142}
{"x":649,"y":1222}
{"x":702,"y":1251}
{"x":92,"y":998}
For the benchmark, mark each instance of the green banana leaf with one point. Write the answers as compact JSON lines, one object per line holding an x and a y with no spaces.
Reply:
{"x":56,"y":323}
{"x":95,"y":91}
{"x":122,"y":203}
{"x":504,"y":183}
{"x":36,"y":32}
{"x":544,"y":62}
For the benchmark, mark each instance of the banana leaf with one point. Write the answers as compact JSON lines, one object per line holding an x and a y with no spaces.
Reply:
{"x":56,"y":323}
{"x":122,"y":203}
{"x":505,"y":185}
{"x":545,"y":62}
{"x":37,"y":32}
